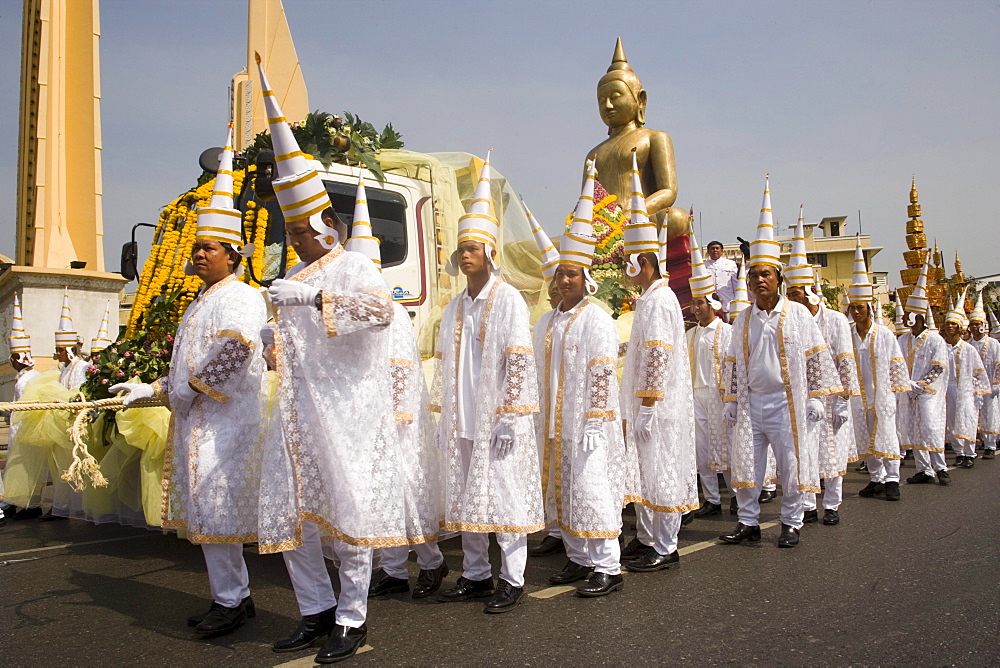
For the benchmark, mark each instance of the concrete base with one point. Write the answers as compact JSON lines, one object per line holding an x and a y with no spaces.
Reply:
{"x":41,"y":292}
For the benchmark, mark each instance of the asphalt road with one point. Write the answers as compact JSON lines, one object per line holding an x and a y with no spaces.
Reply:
{"x":913,"y":582}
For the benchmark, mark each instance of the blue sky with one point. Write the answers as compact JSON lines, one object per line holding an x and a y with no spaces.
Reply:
{"x":841,"y":102}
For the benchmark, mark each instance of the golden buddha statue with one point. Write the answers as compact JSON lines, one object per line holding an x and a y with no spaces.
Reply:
{"x":621,"y":101}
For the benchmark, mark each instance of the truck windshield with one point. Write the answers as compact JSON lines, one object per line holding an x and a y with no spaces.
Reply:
{"x":387,"y":211}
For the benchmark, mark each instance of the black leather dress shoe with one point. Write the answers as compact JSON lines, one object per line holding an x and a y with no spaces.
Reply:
{"x":571,"y":572}
{"x":968,"y":462}
{"x":734,"y":506}
{"x":919,"y":478}
{"x":831,"y":517}
{"x":943,"y":477}
{"x":549,"y":545}
{"x":311,"y":629}
{"x":862,"y":467}
{"x":429,"y":581}
{"x":766,"y":496}
{"x":28,"y":514}
{"x":382,"y":583}
{"x":789,"y":536}
{"x":221,"y":620}
{"x":653,"y":561}
{"x":872,"y":489}
{"x":989,"y":453}
{"x":741,"y":533}
{"x":195,"y":620}
{"x":687,"y":518}
{"x":810,"y":516}
{"x":634,"y":549}
{"x":601,"y":584}
{"x":342,"y":644}
{"x":892,"y":491}
{"x":708,"y":510}
{"x":466,"y":589}
{"x":506,"y":598}
{"x":959,"y":460}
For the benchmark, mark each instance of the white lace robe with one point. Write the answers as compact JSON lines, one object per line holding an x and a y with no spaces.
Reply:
{"x":417,"y":475}
{"x":837,"y":447}
{"x":921,"y":419}
{"x":657,"y":367}
{"x":718,"y":429}
{"x":889,"y":378}
{"x":328,"y":461}
{"x":989,"y":415}
{"x":211,"y":464}
{"x":808,"y":371}
{"x":74,"y":374}
{"x":491,"y":494}
{"x":584,"y":491}
{"x":973,"y":386}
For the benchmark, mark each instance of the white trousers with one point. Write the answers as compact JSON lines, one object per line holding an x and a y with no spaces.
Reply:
{"x":392,"y":560}
{"x":604,"y":555}
{"x":961,"y":446}
{"x":771,"y":424}
{"x":657,"y":530}
{"x":556,"y":532}
{"x":929,"y":462}
{"x":704,"y":399}
{"x":228,"y":579}
{"x":710,"y":485}
{"x":882,"y":469}
{"x":513,"y":556}
{"x":833,"y":494}
{"x":311,"y":581}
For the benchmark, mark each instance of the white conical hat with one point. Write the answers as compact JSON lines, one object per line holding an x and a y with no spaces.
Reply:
{"x":661,"y":254}
{"x":478,"y":224}
{"x":550,"y":256}
{"x":994,"y":325}
{"x":978,"y":313}
{"x":956,"y":313}
{"x":65,"y":334}
{"x":219,"y":221}
{"x":578,"y":244}
{"x":861,"y":291}
{"x":363,"y":239}
{"x":929,"y":322}
{"x":20,"y":342}
{"x":702,"y":283}
{"x":103,"y":339}
{"x":799,"y":272}
{"x":298,"y":188}
{"x":917,"y":302}
{"x":640,"y":233}
{"x":900,"y":327}
{"x":764,"y":249}
{"x":741,"y":299}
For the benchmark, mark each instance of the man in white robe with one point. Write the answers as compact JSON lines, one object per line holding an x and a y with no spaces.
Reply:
{"x":989,"y":351}
{"x":778,"y":370}
{"x":486,"y":393}
{"x":921,"y":414}
{"x":968,"y":386}
{"x":724,"y":273}
{"x":656,"y":403}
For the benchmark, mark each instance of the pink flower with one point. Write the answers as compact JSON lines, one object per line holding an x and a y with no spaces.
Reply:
{"x":104,"y":381}
{"x":128,"y":354}
{"x":119,"y":373}
{"x":170,"y":338}
{"x":92,"y":369}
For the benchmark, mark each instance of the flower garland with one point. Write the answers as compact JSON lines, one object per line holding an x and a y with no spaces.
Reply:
{"x":608,"y":268}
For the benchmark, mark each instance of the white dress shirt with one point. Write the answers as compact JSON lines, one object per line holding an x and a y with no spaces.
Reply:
{"x":704,"y":360}
{"x":764,"y":369}
{"x":470,"y":359}
{"x":864,"y":352}
{"x":560,"y":319}
{"x":724,"y":272}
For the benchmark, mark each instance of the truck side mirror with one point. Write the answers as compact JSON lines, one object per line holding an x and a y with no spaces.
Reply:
{"x":130,"y":257}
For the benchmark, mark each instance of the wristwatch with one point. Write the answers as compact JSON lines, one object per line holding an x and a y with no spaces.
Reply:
{"x":318,"y":302}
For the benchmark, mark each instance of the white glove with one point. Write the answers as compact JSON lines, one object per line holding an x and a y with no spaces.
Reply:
{"x":731,"y":408}
{"x":593,"y":435}
{"x":840,"y":414}
{"x":292,"y":293}
{"x":135,"y":391}
{"x":643,"y":429}
{"x":814,"y":410}
{"x":916,"y":389}
{"x":503,"y":440}
{"x":181,"y":397}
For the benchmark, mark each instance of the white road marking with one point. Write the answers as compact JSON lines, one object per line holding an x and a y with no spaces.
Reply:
{"x":308,"y":660}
